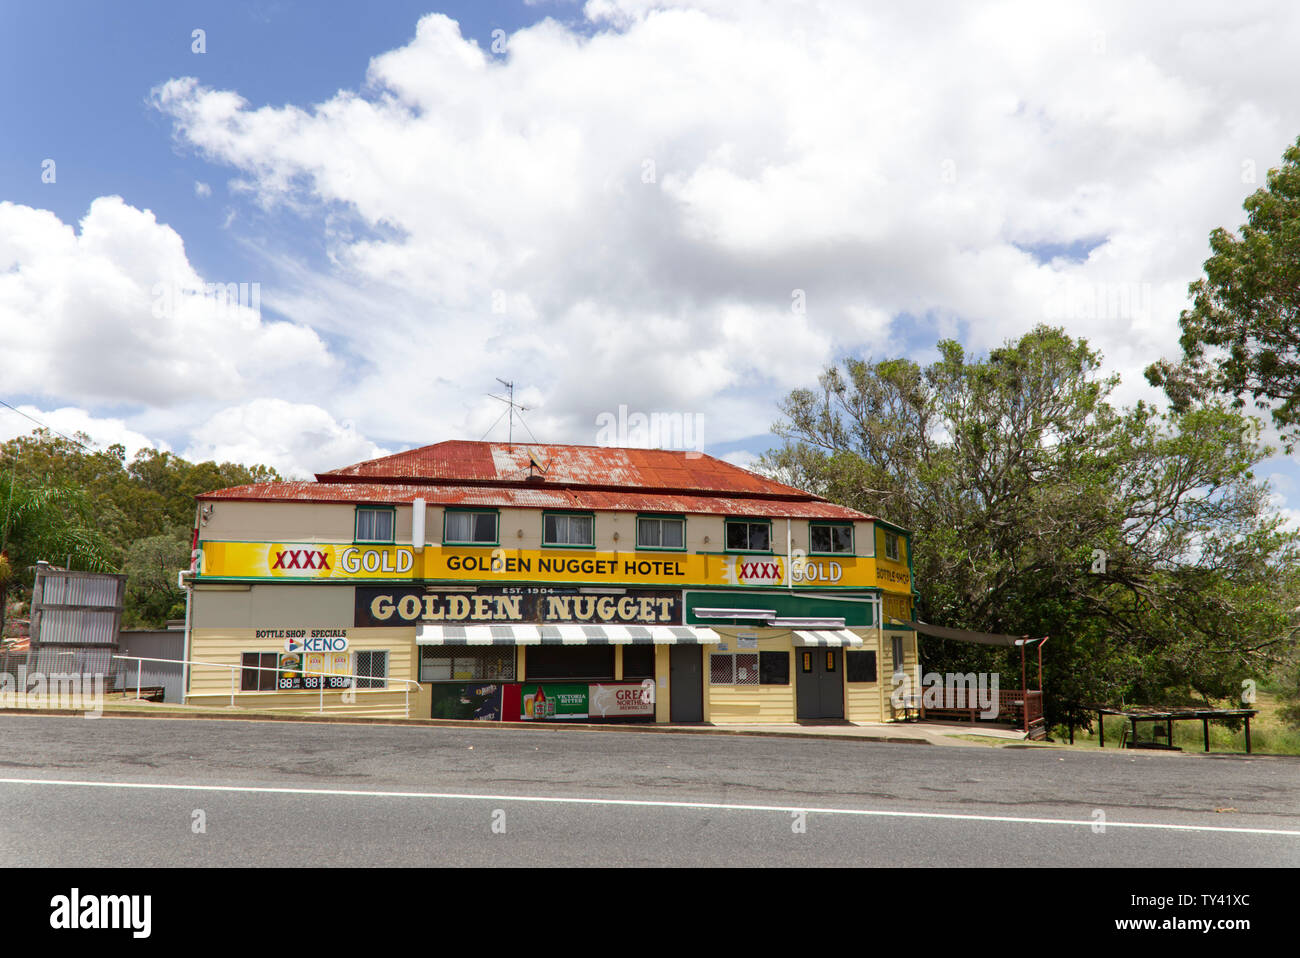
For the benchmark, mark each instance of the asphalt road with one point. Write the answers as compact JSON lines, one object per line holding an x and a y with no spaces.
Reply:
{"x":289,"y":794}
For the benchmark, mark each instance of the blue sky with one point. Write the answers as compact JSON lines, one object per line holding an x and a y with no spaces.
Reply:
{"x":87,"y":69}
{"x":613,"y":203}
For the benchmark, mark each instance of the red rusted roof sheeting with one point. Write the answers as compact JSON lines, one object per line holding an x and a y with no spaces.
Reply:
{"x":602,"y":466}
{"x":538,"y":497}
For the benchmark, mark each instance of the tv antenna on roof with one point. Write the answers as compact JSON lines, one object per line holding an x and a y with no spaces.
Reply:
{"x":511,"y":407}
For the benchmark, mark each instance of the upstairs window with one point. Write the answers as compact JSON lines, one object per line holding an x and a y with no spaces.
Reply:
{"x":891,"y":546}
{"x":749,"y":536}
{"x":560,"y":529}
{"x":831,"y":538}
{"x":660,"y":532}
{"x":469,"y":527}
{"x":375,"y":524}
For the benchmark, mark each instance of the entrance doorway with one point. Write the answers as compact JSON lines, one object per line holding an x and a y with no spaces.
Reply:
{"x":819,"y":686}
{"x":685,"y":683}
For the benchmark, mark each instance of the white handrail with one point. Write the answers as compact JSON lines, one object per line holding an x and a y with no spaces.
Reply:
{"x":235,"y":669}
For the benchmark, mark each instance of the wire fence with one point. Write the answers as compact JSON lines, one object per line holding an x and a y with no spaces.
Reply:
{"x":363,"y":682}
{"x":142,"y":677}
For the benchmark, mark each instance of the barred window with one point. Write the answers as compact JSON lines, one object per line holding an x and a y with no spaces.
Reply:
{"x":441,"y":663}
{"x":371,"y":669}
{"x":733,"y":668}
{"x":722,"y":669}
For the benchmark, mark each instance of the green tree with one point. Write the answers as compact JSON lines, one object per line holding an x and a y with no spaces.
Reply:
{"x":1140,"y":542}
{"x":1241,"y":336}
{"x":151,"y":566}
{"x":148,"y":500}
{"x":39,"y":522}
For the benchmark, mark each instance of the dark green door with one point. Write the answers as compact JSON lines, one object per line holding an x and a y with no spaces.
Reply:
{"x":686,"y":683}
{"x":819,"y":683}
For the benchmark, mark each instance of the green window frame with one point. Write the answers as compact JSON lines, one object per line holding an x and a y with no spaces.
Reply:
{"x":369,"y":516}
{"x":496,"y":527}
{"x":891,"y":545}
{"x":750,"y":524}
{"x":658,"y":519}
{"x":831,"y":538}
{"x":568,"y":527}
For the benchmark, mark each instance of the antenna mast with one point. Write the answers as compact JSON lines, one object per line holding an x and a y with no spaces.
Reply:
{"x":510,"y":402}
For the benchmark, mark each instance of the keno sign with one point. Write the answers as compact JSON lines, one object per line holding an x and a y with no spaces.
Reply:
{"x":319,"y":640}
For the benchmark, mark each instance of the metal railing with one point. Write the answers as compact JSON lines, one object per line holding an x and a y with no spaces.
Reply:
{"x":352,"y":679}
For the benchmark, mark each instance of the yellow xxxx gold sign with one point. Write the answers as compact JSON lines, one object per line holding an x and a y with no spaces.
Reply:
{"x":351,"y":561}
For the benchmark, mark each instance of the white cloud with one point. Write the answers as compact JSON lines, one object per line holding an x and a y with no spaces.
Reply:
{"x":70,"y":421}
{"x":297,"y":439}
{"x":741,"y":458}
{"x":111,"y":314}
{"x":622,"y":218}
{"x":645,"y":200}
{"x":202,"y":189}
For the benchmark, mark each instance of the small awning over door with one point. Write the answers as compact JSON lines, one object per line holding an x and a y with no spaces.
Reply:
{"x":828,"y":637}
{"x":521,"y":634}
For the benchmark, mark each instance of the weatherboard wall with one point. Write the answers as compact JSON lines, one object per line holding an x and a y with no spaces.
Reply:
{"x":263,"y":521}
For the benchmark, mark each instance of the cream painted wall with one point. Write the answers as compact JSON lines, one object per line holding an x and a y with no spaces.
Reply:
{"x":274,"y":606}
{"x":233,"y":521}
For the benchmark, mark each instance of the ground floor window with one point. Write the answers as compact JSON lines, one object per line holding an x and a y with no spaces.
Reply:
{"x":569,"y":662}
{"x":774,"y":668}
{"x":896,"y":642}
{"x":371,"y":669}
{"x":442,"y":663}
{"x":733,"y":668}
{"x":749,"y":668}
{"x":861,"y":666}
{"x":258,"y":671}
{"x":638,"y":661}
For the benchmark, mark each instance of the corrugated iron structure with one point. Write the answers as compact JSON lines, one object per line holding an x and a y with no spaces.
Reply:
{"x":72,"y":610}
{"x":552,"y":477}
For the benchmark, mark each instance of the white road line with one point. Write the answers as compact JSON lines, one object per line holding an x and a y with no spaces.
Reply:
{"x":645,"y":803}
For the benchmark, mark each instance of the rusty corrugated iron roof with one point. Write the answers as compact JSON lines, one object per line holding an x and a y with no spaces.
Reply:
{"x":605,"y":467}
{"x":538,"y":497}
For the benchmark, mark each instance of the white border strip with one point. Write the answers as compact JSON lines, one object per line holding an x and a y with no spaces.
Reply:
{"x":643,"y":803}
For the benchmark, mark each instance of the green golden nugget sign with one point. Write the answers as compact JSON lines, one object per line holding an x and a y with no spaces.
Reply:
{"x":336,"y":561}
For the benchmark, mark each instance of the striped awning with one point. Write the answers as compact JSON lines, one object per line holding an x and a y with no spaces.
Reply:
{"x":835,"y":637}
{"x":520,"y":634}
